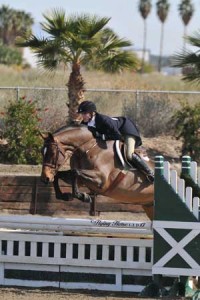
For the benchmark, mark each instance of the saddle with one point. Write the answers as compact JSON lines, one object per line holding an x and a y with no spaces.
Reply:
{"x":119,"y":148}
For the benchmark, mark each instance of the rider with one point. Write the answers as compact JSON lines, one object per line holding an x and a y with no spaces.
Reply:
{"x":108,"y":128}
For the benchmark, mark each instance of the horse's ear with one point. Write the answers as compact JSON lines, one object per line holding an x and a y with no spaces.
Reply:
{"x":46,"y":135}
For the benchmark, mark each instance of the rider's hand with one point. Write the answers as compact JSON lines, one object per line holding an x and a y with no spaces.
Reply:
{"x":100,"y":136}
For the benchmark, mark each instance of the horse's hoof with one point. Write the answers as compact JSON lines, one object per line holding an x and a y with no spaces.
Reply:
{"x":67,"y":197}
{"x":87,"y":198}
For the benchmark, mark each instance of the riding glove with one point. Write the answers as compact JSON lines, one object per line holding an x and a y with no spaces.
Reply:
{"x":100,"y":135}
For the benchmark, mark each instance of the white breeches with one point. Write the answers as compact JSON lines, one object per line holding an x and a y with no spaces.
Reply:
{"x":130,"y":146}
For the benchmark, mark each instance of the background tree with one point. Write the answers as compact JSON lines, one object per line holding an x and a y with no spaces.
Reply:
{"x":189,"y":60}
{"x":74,"y":41}
{"x":162,"y":7}
{"x":186,"y":10}
{"x":186,"y":123}
{"x":21,"y":126}
{"x":144,"y":8}
{"x":13,"y":23}
{"x":10,"y":55}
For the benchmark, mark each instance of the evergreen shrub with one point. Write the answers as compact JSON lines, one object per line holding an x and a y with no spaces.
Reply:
{"x":187,"y":128}
{"x":21,"y":129}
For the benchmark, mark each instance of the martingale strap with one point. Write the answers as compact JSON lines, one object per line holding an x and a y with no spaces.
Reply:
{"x":117,"y":180}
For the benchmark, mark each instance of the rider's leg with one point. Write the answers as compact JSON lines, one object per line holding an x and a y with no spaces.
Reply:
{"x":136,"y":159}
{"x":141,"y":164}
{"x":130,"y":146}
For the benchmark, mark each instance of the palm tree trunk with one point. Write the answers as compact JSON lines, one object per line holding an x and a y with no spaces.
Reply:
{"x":184,"y":36}
{"x":144,"y":46}
{"x":161,"y":48}
{"x":75,"y":93}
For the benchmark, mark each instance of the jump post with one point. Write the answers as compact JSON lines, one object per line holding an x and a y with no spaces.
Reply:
{"x":91,"y":254}
{"x":176,"y":223}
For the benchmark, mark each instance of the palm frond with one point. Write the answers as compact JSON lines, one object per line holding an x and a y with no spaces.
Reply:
{"x":194,"y":40}
{"x":184,"y":58}
{"x":55,"y":22}
{"x":32,"y":42}
{"x":77,"y":38}
{"x":87,"y":26}
{"x":190,"y":62}
{"x":118,"y":61}
{"x":115,"y":43}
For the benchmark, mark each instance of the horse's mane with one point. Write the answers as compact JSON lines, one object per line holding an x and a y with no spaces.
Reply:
{"x":69,"y":127}
{"x":65,"y":128}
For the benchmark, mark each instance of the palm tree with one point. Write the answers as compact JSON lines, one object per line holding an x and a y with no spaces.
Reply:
{"x":189,"y":60}
{"x":74,"y":41}
{"x":144,"y":8}
{"x":186,"y":10}
{"x":5,"y":23}
{"x":21,"y":22}
{"x":13,"y":23}
{"x":162,"y":12}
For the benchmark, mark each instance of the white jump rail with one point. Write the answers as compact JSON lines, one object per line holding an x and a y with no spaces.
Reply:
{"x":75,"y":225}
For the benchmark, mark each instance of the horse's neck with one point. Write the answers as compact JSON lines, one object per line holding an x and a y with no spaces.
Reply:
{"x":76,"y":138}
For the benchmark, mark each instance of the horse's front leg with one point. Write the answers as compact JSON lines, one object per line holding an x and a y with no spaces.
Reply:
{"x":66,"y":176}
{"x":70,"y":177}
{"x":75,"y":191}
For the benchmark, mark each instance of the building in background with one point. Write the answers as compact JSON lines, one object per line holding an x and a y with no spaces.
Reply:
{"x":30,"y":58}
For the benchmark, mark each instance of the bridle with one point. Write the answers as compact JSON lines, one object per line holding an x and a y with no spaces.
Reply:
{"x":59,"y":150}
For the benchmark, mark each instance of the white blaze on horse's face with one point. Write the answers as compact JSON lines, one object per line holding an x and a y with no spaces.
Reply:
{"x":44,"y":151}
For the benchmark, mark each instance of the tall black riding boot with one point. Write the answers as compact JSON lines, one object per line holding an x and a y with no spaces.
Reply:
{"x":143,"y":167}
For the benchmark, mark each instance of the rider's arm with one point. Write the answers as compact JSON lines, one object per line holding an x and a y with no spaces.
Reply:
{"x":109,"y":128}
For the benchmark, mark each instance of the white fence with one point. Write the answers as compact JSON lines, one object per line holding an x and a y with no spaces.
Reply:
{"x":50,"y":258}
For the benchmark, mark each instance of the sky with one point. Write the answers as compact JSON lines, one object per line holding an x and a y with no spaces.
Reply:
{"x":126,"y":20}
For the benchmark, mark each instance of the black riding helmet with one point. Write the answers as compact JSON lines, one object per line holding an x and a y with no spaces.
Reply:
{"x":86,"y":106}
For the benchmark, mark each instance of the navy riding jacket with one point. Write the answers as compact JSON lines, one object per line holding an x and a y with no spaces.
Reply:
{"x":115,"y":128}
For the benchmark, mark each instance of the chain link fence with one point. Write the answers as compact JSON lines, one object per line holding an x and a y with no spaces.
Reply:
{"x":151,"y":110}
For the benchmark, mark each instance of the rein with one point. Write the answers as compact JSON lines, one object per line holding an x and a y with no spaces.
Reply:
{"x":77,"y":148}
{"x":60,"y":150}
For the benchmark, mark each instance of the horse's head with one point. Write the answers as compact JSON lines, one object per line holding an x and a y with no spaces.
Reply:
{"x":61,"y":145}
{"x":53,"y":157}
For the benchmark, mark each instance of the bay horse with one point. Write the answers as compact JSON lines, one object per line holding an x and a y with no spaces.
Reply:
{"x":94,"y":164}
